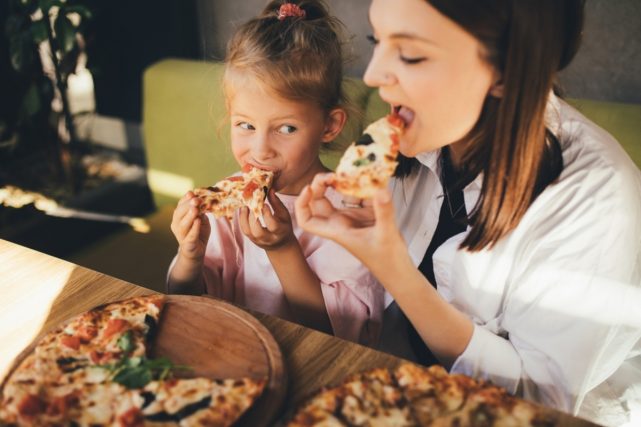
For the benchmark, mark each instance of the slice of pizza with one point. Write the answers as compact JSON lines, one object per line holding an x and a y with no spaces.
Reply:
{"x":99,"y":336}
{"x":432,"y":392}
{"x":199,"y":401}
{"x":493,"y":406}
{"x":368,"y":163}
{"x":368,"y":399}
{"x":230,"y":194}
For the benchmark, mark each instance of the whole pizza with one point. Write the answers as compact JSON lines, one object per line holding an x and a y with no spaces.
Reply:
{"x":413,"y":396}
{"x":95,"y":371}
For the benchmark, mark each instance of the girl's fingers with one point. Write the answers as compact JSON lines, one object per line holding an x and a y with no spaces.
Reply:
{"x":205,"y":226}
{"x":243,"y":221}
{"x":190,"y":242}
{"x":280,"y":211}
{"x":270,"y":222}
{"x":255,"y":227}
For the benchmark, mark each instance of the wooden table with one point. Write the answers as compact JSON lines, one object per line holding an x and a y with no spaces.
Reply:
{"x":38,"y":291}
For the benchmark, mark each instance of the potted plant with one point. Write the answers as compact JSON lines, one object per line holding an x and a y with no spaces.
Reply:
{"x":39,"y":33}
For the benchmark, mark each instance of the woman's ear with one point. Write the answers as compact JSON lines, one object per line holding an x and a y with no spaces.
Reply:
{"x":334,"y":124}
{"x":496,"y":90}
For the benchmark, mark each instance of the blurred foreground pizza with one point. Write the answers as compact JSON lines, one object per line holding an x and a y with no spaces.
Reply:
{"x":416,"y":396}
{"x":94,"y":371}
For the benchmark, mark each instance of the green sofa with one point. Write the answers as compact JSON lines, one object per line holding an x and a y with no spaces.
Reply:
{"x":187,"y":145}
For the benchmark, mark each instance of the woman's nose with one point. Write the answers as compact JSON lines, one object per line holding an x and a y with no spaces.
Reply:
{"x":378,"y":73}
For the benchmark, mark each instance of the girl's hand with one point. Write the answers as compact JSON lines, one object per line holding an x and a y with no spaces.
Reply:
{"x":191,"y":229}
{"x":370,"y":232}
{"x":278,"y":231}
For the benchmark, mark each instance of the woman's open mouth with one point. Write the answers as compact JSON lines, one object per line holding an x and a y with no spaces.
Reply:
{"x":404,"y":113}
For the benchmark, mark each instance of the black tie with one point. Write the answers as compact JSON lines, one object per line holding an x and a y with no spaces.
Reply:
{"x":452,"y":220}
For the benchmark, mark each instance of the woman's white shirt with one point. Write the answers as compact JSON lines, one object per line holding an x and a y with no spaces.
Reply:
{"x":557,"y":302}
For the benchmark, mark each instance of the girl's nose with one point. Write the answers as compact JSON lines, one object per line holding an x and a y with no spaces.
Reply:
{"x":262,"y":147}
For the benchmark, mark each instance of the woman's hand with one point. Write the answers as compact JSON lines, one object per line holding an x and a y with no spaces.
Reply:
{"x":278,"y":231}
{"x":369,"y":232}
{"x":190,"y":228}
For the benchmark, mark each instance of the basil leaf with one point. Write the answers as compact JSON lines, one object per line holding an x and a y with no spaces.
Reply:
{"x":126,"y":342}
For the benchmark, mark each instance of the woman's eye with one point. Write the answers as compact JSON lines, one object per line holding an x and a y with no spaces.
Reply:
{"x":372,"y":39}
{"x":287,"y":129}
{"x":245,"y":126}
{"x":412,"y":61}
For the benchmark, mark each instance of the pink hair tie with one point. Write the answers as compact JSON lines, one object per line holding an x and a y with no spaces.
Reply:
{"x":290,"y":9}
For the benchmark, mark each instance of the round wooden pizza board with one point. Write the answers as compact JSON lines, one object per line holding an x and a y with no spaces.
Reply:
{"x":219,"y":340}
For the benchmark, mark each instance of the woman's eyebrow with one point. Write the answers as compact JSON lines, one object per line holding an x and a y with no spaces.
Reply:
{"x":411,"y":37}
{"x":405,"y":35}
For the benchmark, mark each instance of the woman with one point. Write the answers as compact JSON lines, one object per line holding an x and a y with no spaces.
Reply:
{"x":523,"y":218}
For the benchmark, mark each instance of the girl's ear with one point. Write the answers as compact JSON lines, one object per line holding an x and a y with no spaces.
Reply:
{"x":334,"y":124}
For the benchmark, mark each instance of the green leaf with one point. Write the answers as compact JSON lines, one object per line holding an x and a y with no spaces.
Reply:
{"x":126,"y":343}
{"x":361,"y":162}
{"x":39,"y":31}
{"x":135,"y":377}
{"x":136,"y":372}
{"x":46,"y":5}
{"x":65,"y":34}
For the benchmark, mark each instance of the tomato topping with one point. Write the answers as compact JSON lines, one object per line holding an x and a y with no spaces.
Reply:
{"x":235,"y":178}
{"x":249,"y":189}
{"x":31,"y":405}
{"x":114,"y":326}
{"x":60,"y":405}
{"x":158,"y":302}
{"x":100,"y":358}
{"x":70,"y":341}
{"x":396,"y":120}
{"x":395,"y":143}
{"x":86,"y":333}
{"x":132,"y":418}
{"x":247,"y":167}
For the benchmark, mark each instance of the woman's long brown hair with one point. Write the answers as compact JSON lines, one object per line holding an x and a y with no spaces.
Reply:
{"x":527,"y":42}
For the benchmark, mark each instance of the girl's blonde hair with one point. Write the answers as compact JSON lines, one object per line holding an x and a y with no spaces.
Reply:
{"x":298,"y":58}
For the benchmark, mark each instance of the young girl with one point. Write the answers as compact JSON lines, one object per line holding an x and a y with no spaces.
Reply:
{"x":512,"y":237}
{"x":282,"y":84}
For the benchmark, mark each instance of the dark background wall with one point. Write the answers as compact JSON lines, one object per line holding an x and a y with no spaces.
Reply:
{"x":608,"y":66}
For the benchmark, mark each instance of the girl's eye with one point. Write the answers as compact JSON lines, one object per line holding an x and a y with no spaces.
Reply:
{"x":245,"y":126}
{"x":287,"y":129}
{"x":372,"y":39}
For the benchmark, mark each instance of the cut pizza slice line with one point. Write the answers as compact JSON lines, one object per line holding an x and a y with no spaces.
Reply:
{"x":368,"y":163}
